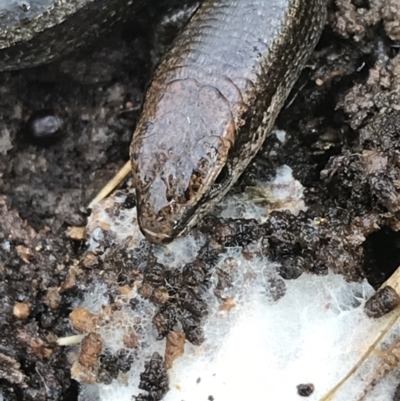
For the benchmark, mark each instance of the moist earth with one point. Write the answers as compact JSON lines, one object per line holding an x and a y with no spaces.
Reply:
{"x":342,"y":124}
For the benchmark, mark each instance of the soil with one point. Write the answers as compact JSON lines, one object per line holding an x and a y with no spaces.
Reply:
{"x":342,"y":123}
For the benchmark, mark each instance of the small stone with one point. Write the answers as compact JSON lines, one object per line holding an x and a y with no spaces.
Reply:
{"x":77,"y":233}
{"x":53,"y":298}
{"x":90,"y":260}
{"x":70,"y":280}
{"x":82,"y":320}
{"x":44,"y":127}
{"x":21,"y":310}
{"x":24,"y":253}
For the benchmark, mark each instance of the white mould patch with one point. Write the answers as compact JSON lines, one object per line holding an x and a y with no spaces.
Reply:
{"x":284,"y":192}
{"x":264,"y":336}
{"x":95,"y":298}
{"x":181,"y":251}
{"x":262,"y":347}
{"x":109,"y":216}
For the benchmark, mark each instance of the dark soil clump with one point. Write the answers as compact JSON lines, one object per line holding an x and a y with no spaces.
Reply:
{"x":342,"y":125}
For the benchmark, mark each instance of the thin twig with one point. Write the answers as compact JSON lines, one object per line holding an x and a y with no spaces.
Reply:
{"x":112,"y":184}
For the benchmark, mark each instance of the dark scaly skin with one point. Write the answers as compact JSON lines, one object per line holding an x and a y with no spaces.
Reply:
{"x":213,"y":100}
{"x":44,"y":30}
{"x":34,"y":32}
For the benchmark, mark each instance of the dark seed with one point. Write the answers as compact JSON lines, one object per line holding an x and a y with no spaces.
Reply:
{"x":305,"y":390}
{"x":130,"y":201}
{"x":382,"y":302}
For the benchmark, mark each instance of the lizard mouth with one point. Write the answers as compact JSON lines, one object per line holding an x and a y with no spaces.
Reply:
{"x":156,"y":238}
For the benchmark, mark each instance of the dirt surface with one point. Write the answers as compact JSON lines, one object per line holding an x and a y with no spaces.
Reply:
{"x":343,"y":130}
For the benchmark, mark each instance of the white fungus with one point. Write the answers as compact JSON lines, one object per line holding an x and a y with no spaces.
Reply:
{"x":258,"y":349}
